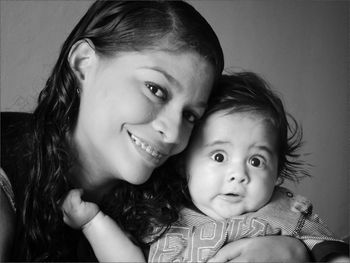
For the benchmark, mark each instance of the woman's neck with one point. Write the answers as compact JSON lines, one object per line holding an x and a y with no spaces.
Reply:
{"x":91,"y":182}
{"x":86,"y":174}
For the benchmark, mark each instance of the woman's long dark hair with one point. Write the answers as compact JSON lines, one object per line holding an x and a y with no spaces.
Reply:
{"x":112,"y":26}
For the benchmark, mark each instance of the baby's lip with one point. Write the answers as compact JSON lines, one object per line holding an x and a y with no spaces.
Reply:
{"x":235,"y":193}
{"x":231,"y":197}
{"x":232,"y":194}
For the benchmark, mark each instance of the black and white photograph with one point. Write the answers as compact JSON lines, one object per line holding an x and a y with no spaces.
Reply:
{"x":174,"y":130}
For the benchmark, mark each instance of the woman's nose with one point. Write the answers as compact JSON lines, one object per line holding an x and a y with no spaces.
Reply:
{"x":169,"y":124}
{"x":239,"y":174}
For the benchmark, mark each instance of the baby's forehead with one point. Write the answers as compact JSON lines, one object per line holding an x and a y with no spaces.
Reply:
{"x":254,"y":115}
{"x":228,"y":125}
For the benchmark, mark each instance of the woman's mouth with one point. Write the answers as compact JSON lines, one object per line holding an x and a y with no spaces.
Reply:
{"x":146,"y":147}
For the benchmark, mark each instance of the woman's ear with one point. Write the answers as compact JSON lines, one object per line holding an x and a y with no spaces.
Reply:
{"x":81,"y":57}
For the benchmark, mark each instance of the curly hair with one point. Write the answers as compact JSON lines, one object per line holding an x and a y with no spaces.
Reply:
{"x":112,"y":27}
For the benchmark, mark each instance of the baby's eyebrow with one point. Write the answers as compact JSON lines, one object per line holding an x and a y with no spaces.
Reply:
{"x":264,"y":148}
{"x":216,"y":143}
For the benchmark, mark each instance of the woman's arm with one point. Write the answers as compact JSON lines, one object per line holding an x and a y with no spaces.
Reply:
{"x":331,"y":251}
{"x":263,"y":249}
{"x":7,"y":227}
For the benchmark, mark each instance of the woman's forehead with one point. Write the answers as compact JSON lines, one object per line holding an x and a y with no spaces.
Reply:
{"x":180,"y":68}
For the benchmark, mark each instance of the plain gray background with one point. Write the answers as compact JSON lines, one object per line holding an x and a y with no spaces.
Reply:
{"x":300,"y":47}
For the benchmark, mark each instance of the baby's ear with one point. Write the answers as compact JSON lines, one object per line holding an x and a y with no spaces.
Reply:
{"x":81,"y":58}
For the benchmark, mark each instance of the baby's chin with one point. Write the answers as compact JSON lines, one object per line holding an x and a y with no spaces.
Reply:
{"x":223,"y":215}
{"x":227,"y":212}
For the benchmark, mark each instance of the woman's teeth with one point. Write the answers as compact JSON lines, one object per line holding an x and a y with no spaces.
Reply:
{"x":146,"y":147}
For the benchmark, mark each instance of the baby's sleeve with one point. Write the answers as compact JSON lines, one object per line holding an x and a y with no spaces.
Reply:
{"x":315,"y":234}
{"x":293,"y":216}
{"x":310,"y":228}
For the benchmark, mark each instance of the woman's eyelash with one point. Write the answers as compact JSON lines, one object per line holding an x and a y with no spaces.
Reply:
{"x":162,"y":94}
{"x":157,"y":90}
{"x":191,"y":117}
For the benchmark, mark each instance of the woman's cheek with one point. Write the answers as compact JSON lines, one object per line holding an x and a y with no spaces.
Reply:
{"x":184,"y":138}
{"x":139,"y":109}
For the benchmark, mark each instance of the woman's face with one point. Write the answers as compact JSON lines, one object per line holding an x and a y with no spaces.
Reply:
{"x":138,"y":109}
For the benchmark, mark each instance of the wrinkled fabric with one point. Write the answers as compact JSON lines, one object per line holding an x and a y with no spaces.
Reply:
{"x":196,"y":237}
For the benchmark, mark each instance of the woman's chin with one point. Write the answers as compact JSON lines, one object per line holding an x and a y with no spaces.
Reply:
{"x":137,"y":180}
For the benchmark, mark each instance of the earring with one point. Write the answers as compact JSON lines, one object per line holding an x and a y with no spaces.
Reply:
{"x":78,"y":91}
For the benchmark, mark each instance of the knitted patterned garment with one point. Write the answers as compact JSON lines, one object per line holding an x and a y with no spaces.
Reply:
{"x":196,"y":238}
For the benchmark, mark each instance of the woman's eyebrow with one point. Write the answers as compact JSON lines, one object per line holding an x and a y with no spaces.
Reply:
{"x":169,"y":77}
{"x":202,"y":104}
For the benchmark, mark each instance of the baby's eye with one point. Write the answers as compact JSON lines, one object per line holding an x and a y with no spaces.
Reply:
{"x":218,"y":157}
{"x":257,"y":161}
{"x":157,"y":91}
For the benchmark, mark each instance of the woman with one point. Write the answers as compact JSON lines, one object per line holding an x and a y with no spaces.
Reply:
{"x":130,"y":82}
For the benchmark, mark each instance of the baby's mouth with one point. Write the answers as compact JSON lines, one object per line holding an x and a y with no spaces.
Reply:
{"x":232,"y":194}
{"x":146,"y":147}
{"x":232,"y":197}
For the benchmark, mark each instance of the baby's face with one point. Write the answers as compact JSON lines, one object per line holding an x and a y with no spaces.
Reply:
{"x":232,"y":164}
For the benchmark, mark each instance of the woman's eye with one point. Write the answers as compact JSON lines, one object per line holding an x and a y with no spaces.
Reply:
{"x":190,"y":117}
{"x":156,"y":90}
{"x":218,"y":157}
{"x":256,"y":162}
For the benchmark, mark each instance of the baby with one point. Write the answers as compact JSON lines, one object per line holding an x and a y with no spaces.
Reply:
{"x":238,"y":157}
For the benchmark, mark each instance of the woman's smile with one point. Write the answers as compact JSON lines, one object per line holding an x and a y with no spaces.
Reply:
{"x":146,"y":148}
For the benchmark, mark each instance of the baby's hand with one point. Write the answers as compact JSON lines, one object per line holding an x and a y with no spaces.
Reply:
{"x":76,"y":212}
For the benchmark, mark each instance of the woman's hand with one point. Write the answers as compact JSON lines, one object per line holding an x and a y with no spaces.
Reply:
{"x":263,"y":249}
{"x":76,"y":212}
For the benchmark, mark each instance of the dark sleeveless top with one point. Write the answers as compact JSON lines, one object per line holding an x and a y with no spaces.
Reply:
{"x":14,"y":146}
